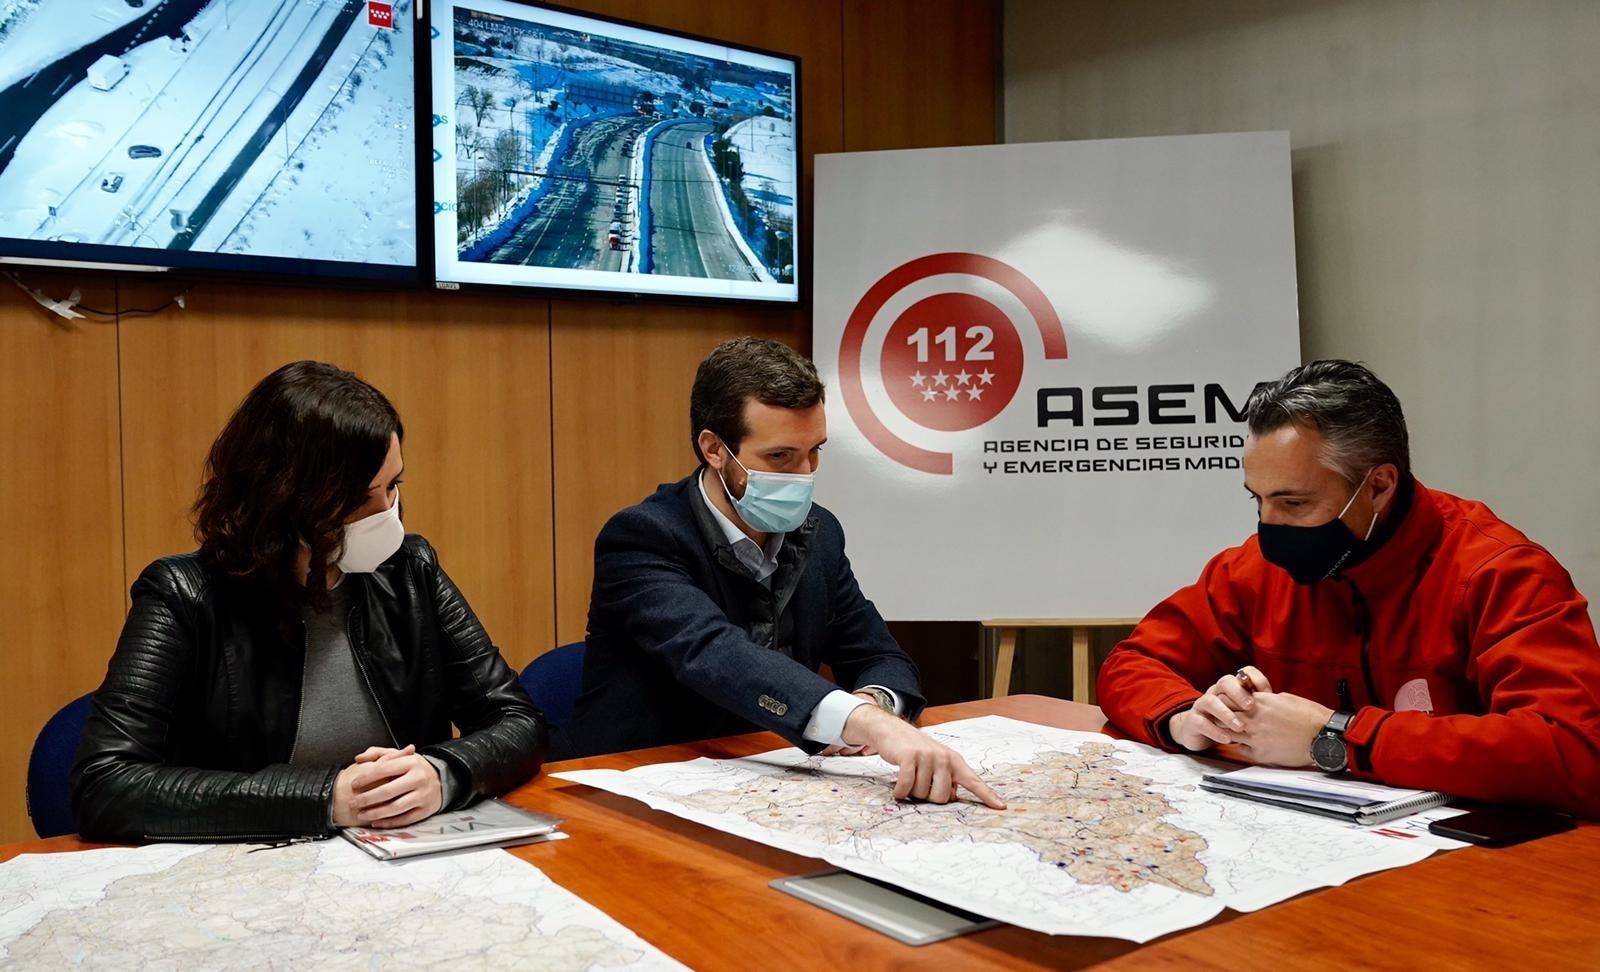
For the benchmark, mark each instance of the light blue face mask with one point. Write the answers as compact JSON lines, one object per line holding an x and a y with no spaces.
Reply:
{"x":772,"y":502}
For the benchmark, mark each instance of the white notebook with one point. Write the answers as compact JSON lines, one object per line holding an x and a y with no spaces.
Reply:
{"x":490,"y":822}
{"x":1316,"y":792}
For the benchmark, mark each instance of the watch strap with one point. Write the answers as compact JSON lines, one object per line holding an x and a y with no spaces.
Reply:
{"x":1338,"y":723}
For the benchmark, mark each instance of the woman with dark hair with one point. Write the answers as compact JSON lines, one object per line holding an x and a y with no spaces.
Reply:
{"x":300,"y":671}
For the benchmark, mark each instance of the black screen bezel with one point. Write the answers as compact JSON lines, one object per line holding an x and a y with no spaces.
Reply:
{"x":201,"y":266}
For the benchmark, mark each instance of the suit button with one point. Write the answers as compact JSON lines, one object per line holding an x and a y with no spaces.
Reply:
{"x":772,"y":705}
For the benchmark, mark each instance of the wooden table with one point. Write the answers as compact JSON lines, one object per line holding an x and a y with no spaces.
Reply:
{"x":702,"y":896}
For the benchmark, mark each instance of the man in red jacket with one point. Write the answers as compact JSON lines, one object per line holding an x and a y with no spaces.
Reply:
{"x":1372,"y":625}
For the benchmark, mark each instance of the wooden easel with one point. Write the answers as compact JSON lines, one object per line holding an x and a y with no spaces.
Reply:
{"x":1083,"y":665}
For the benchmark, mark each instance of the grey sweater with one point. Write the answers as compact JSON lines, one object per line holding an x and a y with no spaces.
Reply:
{"x":339,"y":716}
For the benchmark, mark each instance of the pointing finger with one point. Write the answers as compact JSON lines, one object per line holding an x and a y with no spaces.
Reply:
{"x":970,"y":781}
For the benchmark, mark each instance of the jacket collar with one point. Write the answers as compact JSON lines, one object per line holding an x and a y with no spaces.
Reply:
{"x":1408,"y":549}
{"x":796,"y":543}
{"x":768,"y":554}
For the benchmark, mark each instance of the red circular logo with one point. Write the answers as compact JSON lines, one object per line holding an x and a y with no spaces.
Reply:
{"x":952,"y":362}
{"x":971,"y":350}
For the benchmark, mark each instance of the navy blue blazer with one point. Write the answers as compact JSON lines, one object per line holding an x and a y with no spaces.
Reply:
{"x":684,"y":645}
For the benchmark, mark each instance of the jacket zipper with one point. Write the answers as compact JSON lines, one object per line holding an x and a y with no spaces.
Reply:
{"x":361,"y":667}
{"x":1364,"y":623}
{"x":285,"y":842}
{"x":276,"y":840}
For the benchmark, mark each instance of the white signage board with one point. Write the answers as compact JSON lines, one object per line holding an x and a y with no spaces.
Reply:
{"x":1036,"y":358}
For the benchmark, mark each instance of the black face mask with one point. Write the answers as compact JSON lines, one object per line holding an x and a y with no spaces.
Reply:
{"x":1312,"y":554}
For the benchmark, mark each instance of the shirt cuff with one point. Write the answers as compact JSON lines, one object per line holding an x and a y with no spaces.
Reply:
{"x":828,"y":718}
{"x":447,"y":781}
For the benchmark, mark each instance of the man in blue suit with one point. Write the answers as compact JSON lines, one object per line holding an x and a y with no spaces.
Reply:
{"x":718,"y":598}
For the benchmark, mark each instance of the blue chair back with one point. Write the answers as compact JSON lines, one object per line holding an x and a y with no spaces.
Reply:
{"x":554,"y":680}
{"x":50,"y":770}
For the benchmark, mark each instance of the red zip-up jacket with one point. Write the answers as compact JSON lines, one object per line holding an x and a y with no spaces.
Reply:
{"x":1466,"y":653}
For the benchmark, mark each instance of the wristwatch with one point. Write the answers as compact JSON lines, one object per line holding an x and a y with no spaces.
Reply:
{"x":1328,"y":749}
{"x":881,"y":699}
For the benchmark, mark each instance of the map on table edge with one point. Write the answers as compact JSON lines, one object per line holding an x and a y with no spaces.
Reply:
{"x":323,"y":905}
{"x":1101,"y":836}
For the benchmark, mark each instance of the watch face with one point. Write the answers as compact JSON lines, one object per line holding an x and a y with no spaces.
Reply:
{"x":1328,"y":752}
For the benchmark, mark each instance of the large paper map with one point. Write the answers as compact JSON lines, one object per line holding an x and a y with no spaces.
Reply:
{"x":1101,"y":836}
{"x":323,"y":906}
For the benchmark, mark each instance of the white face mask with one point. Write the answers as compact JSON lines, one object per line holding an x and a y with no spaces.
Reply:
{"x":772,"y":502}
{"x":369,"y":541}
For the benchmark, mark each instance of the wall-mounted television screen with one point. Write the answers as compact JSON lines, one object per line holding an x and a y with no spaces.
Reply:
{"x":578,"y":152}
{"x":236,"y":135}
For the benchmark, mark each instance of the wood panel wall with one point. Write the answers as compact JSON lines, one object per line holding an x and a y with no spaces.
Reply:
{"x":61,"y":578}
{"x":529,"y":420}
{"x":470,"y":376}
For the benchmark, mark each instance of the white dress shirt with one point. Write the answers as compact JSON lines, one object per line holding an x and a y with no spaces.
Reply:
{"x":828,"y":718}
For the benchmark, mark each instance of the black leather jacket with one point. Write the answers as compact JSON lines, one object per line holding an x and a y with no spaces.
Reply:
{"x":189,"y":736}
